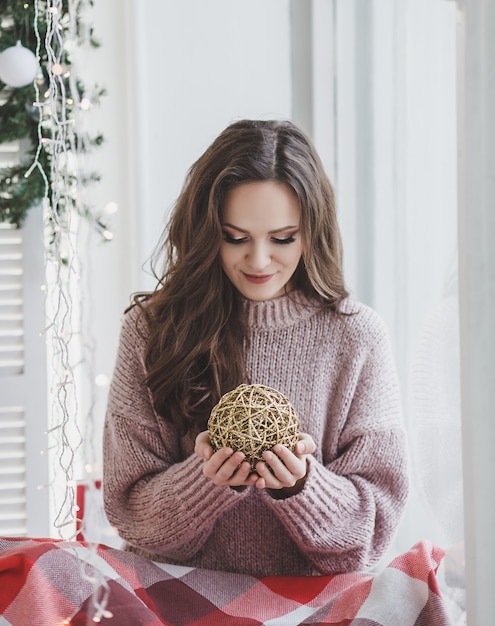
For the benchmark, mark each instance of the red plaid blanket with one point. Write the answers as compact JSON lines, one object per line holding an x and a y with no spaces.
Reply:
{"x":45,"y":582}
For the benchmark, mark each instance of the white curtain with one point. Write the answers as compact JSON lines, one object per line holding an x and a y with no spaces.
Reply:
{"x":395,"y":171}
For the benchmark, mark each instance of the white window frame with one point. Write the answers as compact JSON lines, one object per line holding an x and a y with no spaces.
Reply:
{"x":476,"y":126}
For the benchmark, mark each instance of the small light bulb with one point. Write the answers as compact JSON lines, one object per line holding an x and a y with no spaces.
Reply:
{"x":111,"y":208}
{"x":57,"y":69}
{"x":102,"y":380}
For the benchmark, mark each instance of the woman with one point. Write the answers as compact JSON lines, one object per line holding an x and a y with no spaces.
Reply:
{"x":252,"y":291}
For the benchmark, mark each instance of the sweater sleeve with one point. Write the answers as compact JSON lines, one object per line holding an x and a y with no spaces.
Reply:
{"x":349,"y":509}
{"x":158,"y":501}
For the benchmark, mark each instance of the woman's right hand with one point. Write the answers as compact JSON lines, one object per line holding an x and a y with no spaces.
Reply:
{"x":224,"y":467}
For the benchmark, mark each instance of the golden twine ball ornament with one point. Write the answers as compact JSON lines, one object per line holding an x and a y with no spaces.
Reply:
{"x":252,"y":419}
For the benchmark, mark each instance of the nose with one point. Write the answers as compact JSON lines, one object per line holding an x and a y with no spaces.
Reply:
{"x":258,"y":256}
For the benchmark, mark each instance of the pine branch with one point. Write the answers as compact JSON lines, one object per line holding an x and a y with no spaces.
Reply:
{"x":19,"y":119}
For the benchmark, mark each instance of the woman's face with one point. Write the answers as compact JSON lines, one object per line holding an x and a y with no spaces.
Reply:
{"x":262,"y":244}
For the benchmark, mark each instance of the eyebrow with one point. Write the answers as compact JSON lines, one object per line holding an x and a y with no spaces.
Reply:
{"x":270,"y":232}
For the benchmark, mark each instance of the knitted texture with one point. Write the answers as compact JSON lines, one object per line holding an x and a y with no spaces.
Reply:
{"x":338,"y":373}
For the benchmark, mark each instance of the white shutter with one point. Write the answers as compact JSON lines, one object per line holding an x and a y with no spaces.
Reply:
{"x":12,"y":418}
{"x":13,"y":510}
{"x":24,"y":496}
{"x":11,"y":326}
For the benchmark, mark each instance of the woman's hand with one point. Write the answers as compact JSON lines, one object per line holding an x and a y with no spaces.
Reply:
{"x":224,"y":467}
{"x":285,"y":470}
{"x":281,"y":470}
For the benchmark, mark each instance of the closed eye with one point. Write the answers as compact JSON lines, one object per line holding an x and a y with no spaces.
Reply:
{"x":290,"y":239}
{"x":234,"y":240}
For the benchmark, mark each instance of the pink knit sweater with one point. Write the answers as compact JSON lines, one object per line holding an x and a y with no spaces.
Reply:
{"x":338,"y":373}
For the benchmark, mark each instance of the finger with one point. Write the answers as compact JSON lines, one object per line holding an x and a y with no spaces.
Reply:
{"x":215,"y":462}
{"x":243,"y":476}
{"x":267,"y":480}
{"x":260,"y":483}
{"x":300,"y":447}
{"x":237,"y":476}
{"x":202,"y":437}
{"x":202,"y":447}
{"x":205,"y":451}
{"x":275,"y":472}
{"x":305,"y":445}
{"x":288,"y":468}
{"x":232,"y":471}
{"x":295,"y":465}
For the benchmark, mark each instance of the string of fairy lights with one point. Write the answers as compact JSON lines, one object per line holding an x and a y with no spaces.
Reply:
{"x":70,"y":345}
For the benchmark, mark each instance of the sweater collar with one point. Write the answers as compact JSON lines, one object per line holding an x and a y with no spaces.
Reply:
{"x":280,"y":312}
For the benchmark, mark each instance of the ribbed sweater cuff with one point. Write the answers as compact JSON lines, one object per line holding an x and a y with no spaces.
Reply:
{"x":325,"y":496}
{"x":199,"y":496}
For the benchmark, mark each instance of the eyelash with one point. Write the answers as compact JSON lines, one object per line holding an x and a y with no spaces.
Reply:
{"x":290,"y":239}
{"x":235,"y":241}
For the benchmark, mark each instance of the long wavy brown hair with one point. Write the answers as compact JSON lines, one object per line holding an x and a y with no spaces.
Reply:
{"x":197,"y":328}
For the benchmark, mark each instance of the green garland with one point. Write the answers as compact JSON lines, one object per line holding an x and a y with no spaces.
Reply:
{"x":19,"y":119}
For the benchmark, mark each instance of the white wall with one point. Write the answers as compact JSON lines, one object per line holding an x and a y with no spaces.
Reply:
{"x":199,"y":66}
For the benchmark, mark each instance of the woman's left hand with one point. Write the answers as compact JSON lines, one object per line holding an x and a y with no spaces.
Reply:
{"x":284,"y":470}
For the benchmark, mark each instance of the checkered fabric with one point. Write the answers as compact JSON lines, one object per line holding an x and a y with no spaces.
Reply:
{"x":46,"y":582}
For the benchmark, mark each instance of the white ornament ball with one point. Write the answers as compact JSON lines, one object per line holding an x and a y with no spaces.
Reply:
{"x":18,"y":66}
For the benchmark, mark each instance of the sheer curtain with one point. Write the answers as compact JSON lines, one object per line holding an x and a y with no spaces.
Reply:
{"x":394,"y":111}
